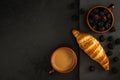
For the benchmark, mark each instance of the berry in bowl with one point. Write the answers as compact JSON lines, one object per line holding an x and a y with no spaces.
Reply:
{"x":100,"y":19}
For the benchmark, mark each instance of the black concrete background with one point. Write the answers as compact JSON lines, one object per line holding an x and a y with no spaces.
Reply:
{"x":30,"y":30}
{"x":85,"y":61}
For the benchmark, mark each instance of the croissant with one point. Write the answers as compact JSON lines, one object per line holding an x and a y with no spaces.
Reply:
{"x":92,"y":48}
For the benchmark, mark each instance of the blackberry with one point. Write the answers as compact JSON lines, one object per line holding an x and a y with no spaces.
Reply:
{"x":107,"y":25}
{"x":101,"y":28}
{"x":102,"y":13}
{"x":96,"y":11}
{"x":110,"y":46}
{"x":110,"y":38}
{"x":115,"y":59}
{"x":109,"y":53}
{"x":91,"y":68}
{"x":101,"y":38}
{"x":100,"y":24}
{"x":117,"y":41}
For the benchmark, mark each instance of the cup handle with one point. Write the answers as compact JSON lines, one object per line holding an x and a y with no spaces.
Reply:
{"x":51,"y":71}
{"x":111,"y":6}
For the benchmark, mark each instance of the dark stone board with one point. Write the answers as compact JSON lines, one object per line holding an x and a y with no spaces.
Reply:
{"x":85,"y":61}
{"x":30,"y":30}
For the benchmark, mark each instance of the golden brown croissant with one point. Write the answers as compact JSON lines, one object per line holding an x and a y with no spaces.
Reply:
{"x":92,"y":47}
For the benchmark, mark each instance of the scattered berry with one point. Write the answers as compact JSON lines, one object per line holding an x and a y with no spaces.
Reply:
{"x":101,"y":38}
{"x":109,"y":53}
{"x":110,"y":45}
{"x":110,"y":38}
{"x":115,"y":59}
{"x":92,"y":68}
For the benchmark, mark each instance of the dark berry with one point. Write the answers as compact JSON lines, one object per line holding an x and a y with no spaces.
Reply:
{"x":102,"y":13}
{"x":75,"y":17}
{"x":96,"y":11}
{"x":96,"y":17}
{"x":117,"y":41}
{"x":91,"y":68}
{"x":110,"y":45}
{"x":115,"y":59}
{"x":101,"y":28}
{"x":107,"y":25}
{"x":104,"y":18}
{"x":114,"y":70}
{"x":109,"y":53}
{"x":82,"y":11}
{"x":109,"y":16}
{"x":94,"y":27}
{"x":110,"y":38}
{"x":112,"y":29}
{"x":100,"y":24}
{"x":101,"y":38}
{"x":105,"y":11}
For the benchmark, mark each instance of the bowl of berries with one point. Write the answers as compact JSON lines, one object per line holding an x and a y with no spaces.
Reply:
{"x":100,"y":19}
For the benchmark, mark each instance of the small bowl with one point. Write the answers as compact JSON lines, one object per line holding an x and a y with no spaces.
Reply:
{"x":63,"y":60}
{"x":99,"y":19}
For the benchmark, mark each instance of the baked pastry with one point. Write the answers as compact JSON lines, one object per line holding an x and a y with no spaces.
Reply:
{"x":92,"y":48}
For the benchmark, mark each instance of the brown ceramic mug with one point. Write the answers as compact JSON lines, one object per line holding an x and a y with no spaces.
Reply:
{"x":109,"y":9}
{"x":63,"y":60}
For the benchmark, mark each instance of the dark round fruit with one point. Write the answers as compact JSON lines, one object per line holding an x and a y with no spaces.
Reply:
{"x":102,"y":13}
{"x":101,"y":28}
{"x":94,"y":27}
{"x":107,"y":25}
{"x":101,"y":38}
{"x":100,"y":24}
{"x":117,"y":41}
{"x":115,"y":59}
{"x":109,"y":53}
{"x":109,"y":16}
{"x":91,"y":68}
{"x":96,"y":17}
{"x":105,"y":11}
{"x":112,"y":29}
{"x":114,"y":70}
{"x":96,"y":11}
{"x":110,"y":46}
{"x":82,"y":11}
{"x":110,"y":38}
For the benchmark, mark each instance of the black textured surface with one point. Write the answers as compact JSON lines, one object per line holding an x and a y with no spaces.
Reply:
{"x":85,"y":61}
{"x":30,"y":30}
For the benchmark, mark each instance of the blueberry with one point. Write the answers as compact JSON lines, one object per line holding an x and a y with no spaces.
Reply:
{"x":109,"y":16}
{"x":94,"y":27}
{"x":114,"y":70}
{"x":115,"y":59}
{"x":112,"y":29}
{"x":117,"y":41}
{"x":101,"y":38}
{"x":110,"y":38}
{"x":91,"y":68}
{"x":110,"y":45}
{"x":100,"y":24}
{"x":96,"y":11}
{"x":75,"y":17}
{"x":101,"y":28}
{"x":105,"y":11}
{"x":102,"y":13}
{"x":107,"y":25}
{"x":82,"y":11}
{"x":96,"y":17}
{"x":109,"y":53}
